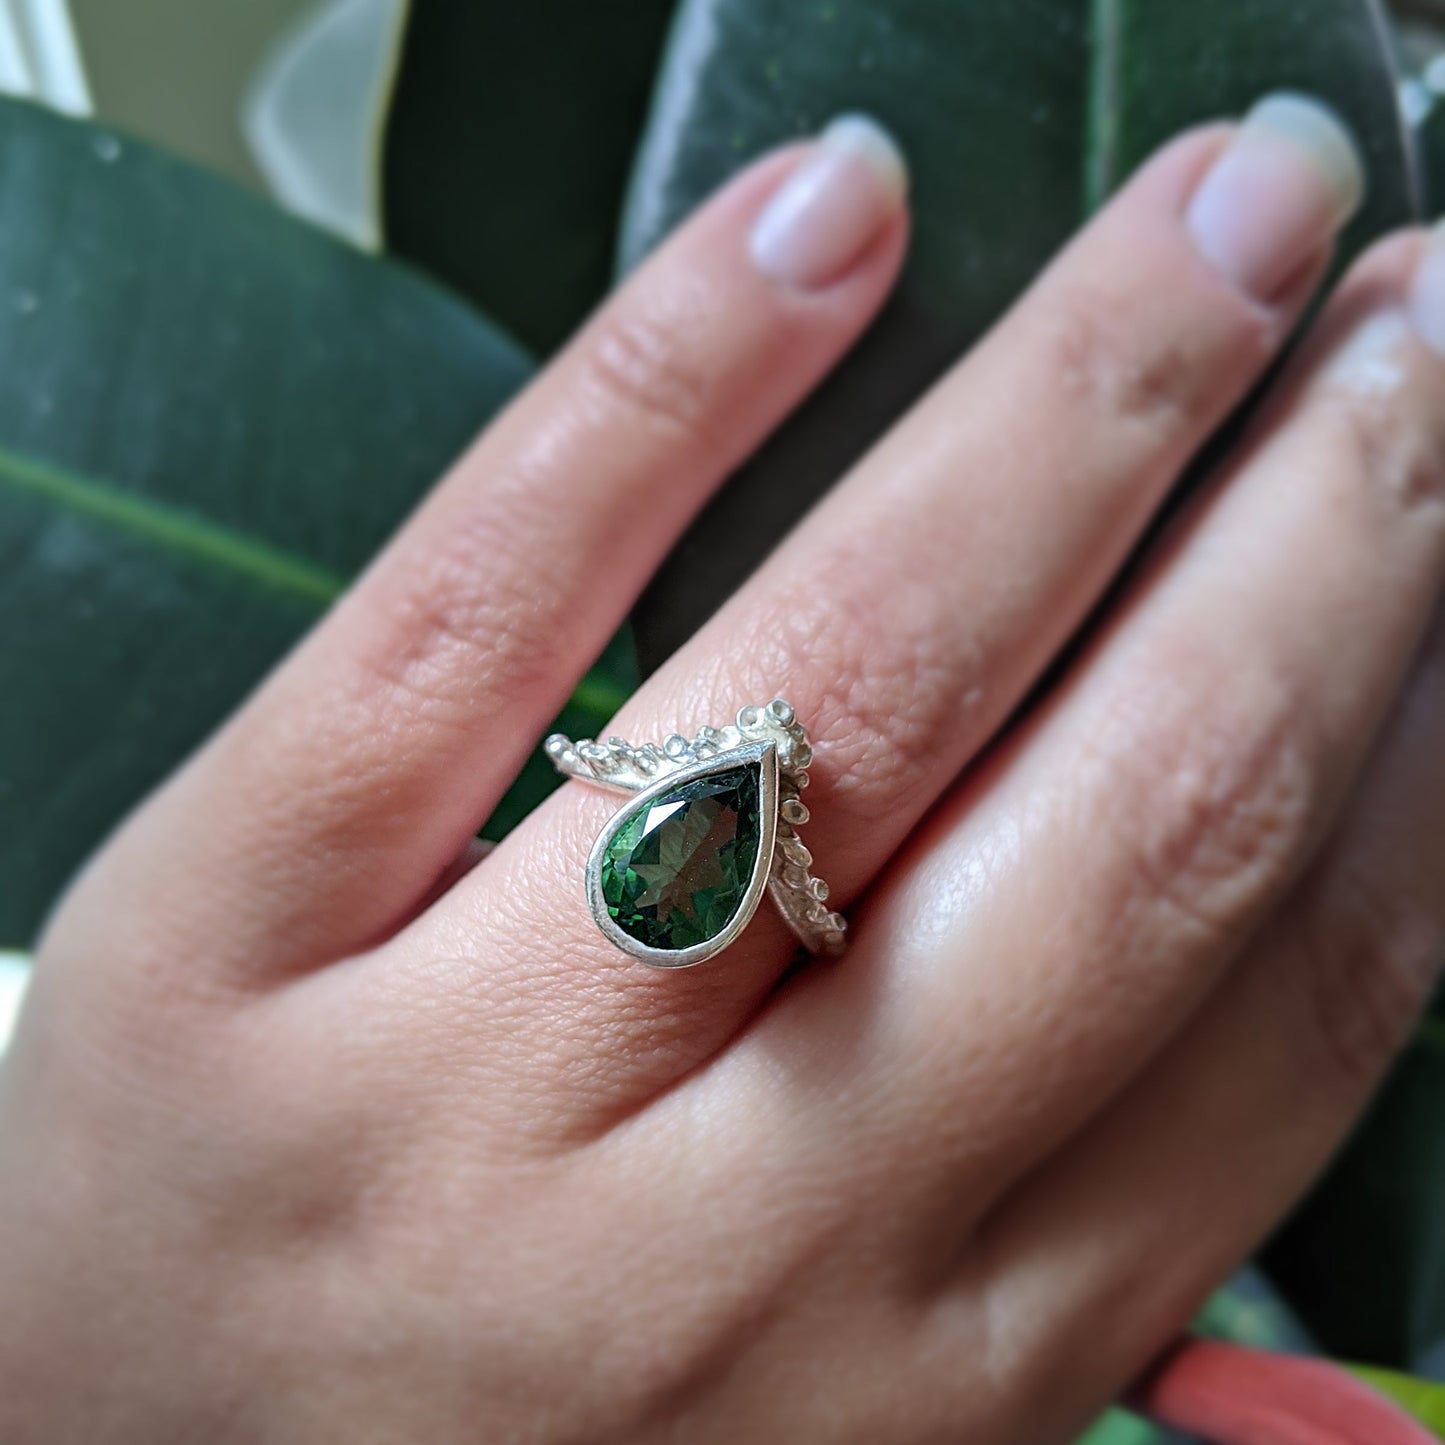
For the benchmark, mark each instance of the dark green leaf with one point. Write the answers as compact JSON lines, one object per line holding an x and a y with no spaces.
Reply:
{"x":1120,"y":1428}
{"x":1363,"y":1260}
{"x":212,"y":416}
{"x":1016,"y":115}
{"x":1431,"y":133}
{"x":1249,"y":1311}
{"x":610,"y":683}
{"x":511,"y":132}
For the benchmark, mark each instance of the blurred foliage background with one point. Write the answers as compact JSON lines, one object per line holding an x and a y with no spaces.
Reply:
{"x":278,"y":260}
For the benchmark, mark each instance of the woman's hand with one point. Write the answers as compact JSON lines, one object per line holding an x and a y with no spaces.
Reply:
{"x":313,"y":1132}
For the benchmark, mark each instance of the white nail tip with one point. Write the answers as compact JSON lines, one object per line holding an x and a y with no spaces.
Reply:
{"x":842,"y":193}
{"x":1318,"y":130}
{"x":860,"y":135}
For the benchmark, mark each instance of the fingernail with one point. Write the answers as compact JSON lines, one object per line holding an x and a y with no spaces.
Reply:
{"x":824,"y":215}
{"x":1277,"y":195}
{"x":1427,"y":292}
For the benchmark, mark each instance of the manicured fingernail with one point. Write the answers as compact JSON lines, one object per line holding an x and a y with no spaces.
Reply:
{"x":1277,"y":195}
{"x":1427,"y":293}
{"x":824,"y":215}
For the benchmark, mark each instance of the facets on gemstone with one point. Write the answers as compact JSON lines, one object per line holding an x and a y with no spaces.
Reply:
{"x":677,"y":870}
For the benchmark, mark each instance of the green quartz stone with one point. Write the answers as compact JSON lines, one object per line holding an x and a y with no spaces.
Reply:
{"x":677,"y":871}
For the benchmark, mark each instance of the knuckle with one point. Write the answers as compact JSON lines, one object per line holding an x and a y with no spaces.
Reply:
{"x":882,"y":697}
{"x":1377,"y":409}
{"x":643,"y":364}
{"x":1371,"y":960}
{"x":1216,"y":809}
{"x":1390,"y":453}
{"x":458,"y":632}
{"x":1115,"y":368}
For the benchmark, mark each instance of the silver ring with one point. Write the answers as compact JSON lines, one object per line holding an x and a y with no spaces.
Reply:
{"x":680,"y":869}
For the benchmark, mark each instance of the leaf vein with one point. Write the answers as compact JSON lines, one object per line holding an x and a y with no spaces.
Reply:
{"x":165,"y":527}
{"x":1101,"y":128}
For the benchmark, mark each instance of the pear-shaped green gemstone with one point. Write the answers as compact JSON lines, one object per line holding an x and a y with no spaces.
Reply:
{"x":677,"y":871}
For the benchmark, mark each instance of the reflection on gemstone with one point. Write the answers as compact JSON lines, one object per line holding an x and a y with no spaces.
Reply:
{"x":677,"y":870}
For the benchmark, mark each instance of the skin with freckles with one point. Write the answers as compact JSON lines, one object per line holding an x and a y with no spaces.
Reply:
{"x":329,"y":1125}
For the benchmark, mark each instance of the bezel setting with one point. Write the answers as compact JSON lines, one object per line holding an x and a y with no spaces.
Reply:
{"x":764,"y":757}
{"x":769,"y":737}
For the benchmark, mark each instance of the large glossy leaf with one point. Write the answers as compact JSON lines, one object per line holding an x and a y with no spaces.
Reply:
{"x":211,"y":417}
{"x":1249,"y":1311}
{"x":1120,"y":1428}
{"x":511,"y":133}
{"x":1364,"y":1258}
{"x":1017,"y":117}
{"x":1431,"y":134}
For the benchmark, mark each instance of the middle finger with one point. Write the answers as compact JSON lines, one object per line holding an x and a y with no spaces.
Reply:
{"x":914,"y":610}
{"x":910,"y":614}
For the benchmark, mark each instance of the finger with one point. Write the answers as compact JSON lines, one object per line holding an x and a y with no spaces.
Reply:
{"x":474,"y":852}
{"x":1094,"y":883}
{"x":360,"y":770}
{"x":1168,"y":1190}
{"x":907,"y":617}
{"x":910,"y":615}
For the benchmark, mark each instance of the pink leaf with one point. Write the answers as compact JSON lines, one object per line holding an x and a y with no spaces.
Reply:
{"x":1236,"y":1396}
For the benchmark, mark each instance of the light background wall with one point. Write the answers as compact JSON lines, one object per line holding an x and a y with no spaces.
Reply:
{"x":174,"y":71}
